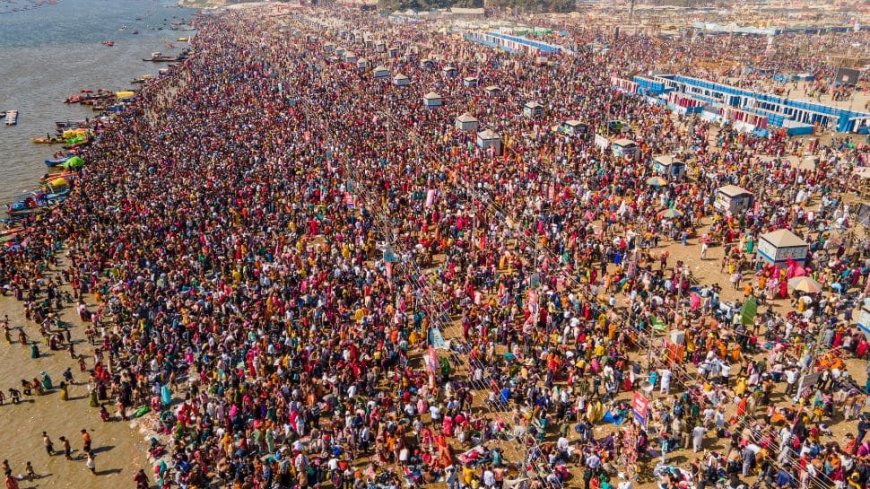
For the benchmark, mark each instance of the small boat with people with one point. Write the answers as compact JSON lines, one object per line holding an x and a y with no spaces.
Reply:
{"x":48,"y":140}
{"x":158,"y":57}
{"x":10,"y":233}
{"x":69,"y":124}
{"x":88,"y":97}
{"x":37,"y":201}
{"x":70,"y":162}
{"x":56,"y":161}
{"x":69,"y":175}
{"x":108,"y":44}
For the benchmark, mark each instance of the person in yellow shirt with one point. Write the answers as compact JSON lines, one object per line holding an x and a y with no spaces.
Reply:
{"x":467,"y":475}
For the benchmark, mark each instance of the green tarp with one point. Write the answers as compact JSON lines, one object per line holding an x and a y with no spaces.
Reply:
{"x":747,"y":312}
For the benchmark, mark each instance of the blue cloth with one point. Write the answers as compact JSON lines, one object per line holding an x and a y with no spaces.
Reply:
{"x":165,"y":395}
{"x":505,"y":395}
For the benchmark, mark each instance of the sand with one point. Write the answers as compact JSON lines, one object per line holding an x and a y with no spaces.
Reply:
{"x":120,"y":450}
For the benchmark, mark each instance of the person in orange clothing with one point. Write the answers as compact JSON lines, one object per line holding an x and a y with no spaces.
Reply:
{"x":86,"y":441}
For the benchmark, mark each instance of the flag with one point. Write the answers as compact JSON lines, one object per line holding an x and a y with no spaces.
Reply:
{"x":639,"y":407}
{"x":747,"y":312}
{"x":436,"y":339}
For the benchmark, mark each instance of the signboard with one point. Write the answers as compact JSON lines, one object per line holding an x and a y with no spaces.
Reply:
{"x":432,"y":361}
{"x":722,"y":203}
{"x":847,"y":76}
{"x":639,"y":408}
{"x":773,"y":254}
{"x":806,"y":381}
{"x":602,"y":142}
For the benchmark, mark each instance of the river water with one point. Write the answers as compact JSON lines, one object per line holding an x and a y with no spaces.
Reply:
{"x":46,"y":54}
{"x":54,"y":51}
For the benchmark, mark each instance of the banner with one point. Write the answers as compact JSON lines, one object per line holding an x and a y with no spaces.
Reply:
{"x":602,"y":142}
{"x":435,"y":338}
{"x":432,"y":361}
{"x":639,"y":408}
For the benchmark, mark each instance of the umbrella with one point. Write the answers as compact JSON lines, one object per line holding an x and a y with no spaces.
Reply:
{"x":805,"y":284}
{"x":656,"y":181}
{"x":670,"y":213}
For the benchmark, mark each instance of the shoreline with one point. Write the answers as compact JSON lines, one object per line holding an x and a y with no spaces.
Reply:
{"x":121,"y":447}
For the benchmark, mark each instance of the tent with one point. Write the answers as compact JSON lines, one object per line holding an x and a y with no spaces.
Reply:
{"x":780,"y":246}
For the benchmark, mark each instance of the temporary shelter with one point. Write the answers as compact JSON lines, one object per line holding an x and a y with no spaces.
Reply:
{"x":401,"y":80}
{"x":575,"y":127}
{"x":450,"y":71}
{"x":625,"y":148}
{"x":533,"y":109}
{"x":669,"y":166}
{"x":466,"y":122}
{"x":381,"y":73}
{"x":489,"y":139}
{"x":432,"y":99}
{"x":733,"y":199}
{"x":777,"y":247}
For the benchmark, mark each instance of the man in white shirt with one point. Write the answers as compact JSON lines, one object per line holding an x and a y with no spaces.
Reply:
{"x":435,"y":412}
{"x":725,"y":372}
{"x":791,"y":380}
{"x":697,"y":438}
{"x":624,"y":483}
{"x":488,"y":478}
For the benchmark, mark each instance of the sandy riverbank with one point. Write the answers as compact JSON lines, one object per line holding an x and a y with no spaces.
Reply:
{"x":120,"y":450}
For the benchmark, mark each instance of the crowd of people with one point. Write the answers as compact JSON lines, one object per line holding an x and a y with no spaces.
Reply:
{"x":308,"y":278}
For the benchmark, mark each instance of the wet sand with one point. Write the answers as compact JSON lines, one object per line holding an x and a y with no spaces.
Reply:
{"x":120,"y":450}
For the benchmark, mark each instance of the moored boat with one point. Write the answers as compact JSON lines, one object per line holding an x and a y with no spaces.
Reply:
{"x":47,"y":140}
{"x":56,"y":161}
{"x":11,"y":117}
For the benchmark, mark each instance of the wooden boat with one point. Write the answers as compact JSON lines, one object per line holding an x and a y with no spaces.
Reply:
{"x":158,"y":57}
{"x":47,"y":140}
{"x":56,"y":161}
{"x":11,"y":117}
{"x":67,"y":174}
{"x":108,"y":44}
{"x":10,"y":234}
{"x":88,"y":97}
{"x":36,"y":201}
{"x":69,"y":124}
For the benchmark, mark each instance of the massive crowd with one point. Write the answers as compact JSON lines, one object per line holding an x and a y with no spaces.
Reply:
{"x":309,"y":277}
